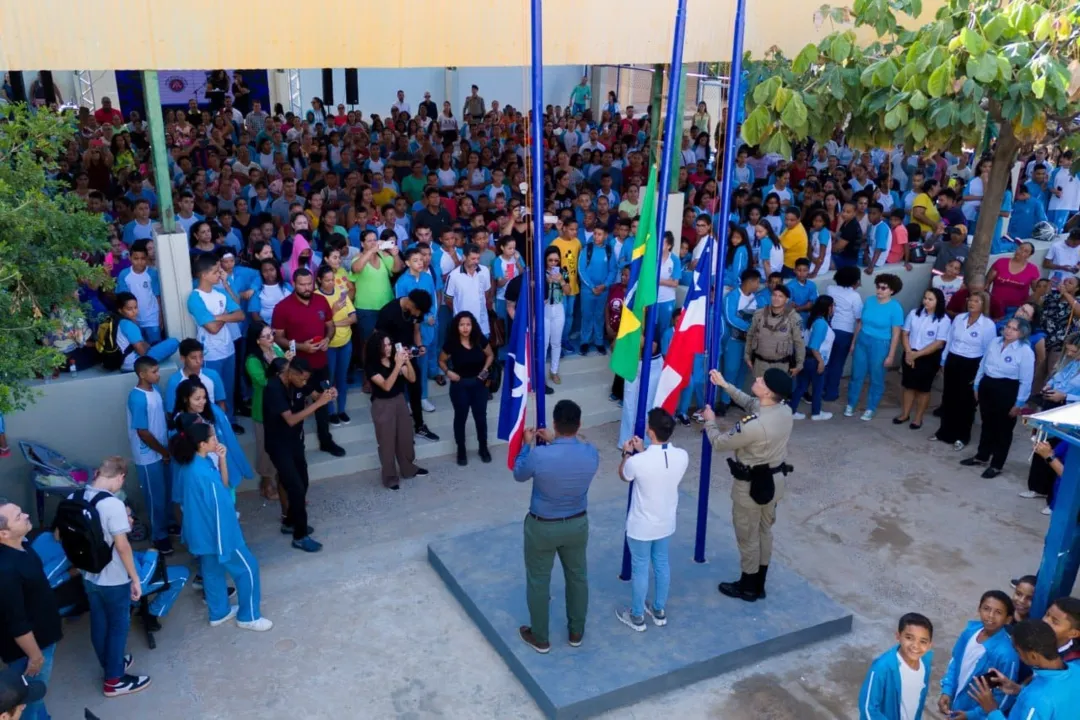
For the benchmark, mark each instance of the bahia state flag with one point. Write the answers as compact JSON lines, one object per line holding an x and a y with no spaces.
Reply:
{"x":640,"y":291}
{"x":515,"y":390}
{"x":688,"y":339}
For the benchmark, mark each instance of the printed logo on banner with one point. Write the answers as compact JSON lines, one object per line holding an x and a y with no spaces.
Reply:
{"x":176,"y":83}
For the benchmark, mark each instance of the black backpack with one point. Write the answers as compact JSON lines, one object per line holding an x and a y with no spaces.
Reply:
{"x":81,"y":535}
{"x":112,"y":357}
{"x":589,"y":252}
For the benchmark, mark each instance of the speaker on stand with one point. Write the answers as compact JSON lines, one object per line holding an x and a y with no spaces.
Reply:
{"x":352,"y":87}
{"x":328,"y":88}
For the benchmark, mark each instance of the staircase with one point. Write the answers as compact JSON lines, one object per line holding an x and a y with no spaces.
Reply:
{"x":585,"y":380}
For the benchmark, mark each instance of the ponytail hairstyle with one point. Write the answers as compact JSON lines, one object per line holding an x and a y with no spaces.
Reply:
{"x":191,"y":432}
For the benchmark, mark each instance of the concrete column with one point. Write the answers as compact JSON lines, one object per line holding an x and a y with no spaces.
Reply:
{"x":174,"y":270}
{"x":598,"y":94}
{"x":156,"y":124}
{"x":450,"y":81}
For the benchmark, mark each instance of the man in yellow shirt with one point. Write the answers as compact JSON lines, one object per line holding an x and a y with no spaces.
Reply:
{"x":923,"y":210}
{"x":569,"y":250}
{"x":794,"y":240}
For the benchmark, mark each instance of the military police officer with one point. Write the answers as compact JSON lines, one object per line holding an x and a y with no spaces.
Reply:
{"x":759,"y":441}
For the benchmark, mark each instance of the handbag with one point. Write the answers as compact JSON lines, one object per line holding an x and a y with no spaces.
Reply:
{"x":916,"y":253}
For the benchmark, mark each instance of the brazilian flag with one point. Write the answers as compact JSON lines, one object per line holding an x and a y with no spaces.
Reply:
{"x":641,"y":292}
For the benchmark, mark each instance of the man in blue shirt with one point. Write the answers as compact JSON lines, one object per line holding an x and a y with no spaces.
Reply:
{"x":561,"y":471}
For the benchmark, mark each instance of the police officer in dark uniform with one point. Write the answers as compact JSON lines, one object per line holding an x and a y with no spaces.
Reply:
{"x":759,"y":442}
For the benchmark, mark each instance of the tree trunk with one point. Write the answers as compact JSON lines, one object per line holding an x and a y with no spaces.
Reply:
{"x":1000,"y":169}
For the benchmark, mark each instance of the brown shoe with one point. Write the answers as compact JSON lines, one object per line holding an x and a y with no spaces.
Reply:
{"x":576,"y":638}
{"x":527,"y":636}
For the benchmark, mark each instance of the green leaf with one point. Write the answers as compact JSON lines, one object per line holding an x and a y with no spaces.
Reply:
{"x":998,"y":26}
{"x":1038,"y":88}
{"x":804,"y":59}
{"x":974,"y":43}
{"x":942,"y":117}
{"x":1044,"y":27}
{"x":918,"y":101}
{"x":795,"y":115}
{"x":766,"y":90}
{"x":917,"y":130}
{"x":841,"y":48}
{"x":983,"y":68}
{"x":893,"y":118}
{"x":777,"y":143}
{"x":781,"y":98}
{"x":940,"y":81}
{"x":756,"y":125}
{"x":1004,"y":68}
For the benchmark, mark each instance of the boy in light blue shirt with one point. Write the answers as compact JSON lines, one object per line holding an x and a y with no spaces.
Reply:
{"x":130,"y":340}
{"x":148,"y":433}
{"x":803,"y":292}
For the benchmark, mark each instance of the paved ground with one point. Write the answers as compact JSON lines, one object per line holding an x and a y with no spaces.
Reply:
{"x":877,"y":516}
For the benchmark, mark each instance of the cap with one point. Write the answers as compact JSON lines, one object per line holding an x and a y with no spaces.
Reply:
{"x":16,"y":690}
{"x":778,"y":381}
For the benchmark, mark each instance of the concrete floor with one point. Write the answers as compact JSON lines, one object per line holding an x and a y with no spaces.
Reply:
{"x":877,"y":516}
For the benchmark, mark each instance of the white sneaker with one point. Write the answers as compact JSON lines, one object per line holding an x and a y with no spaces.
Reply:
{"x":849,"y":411}
{"x":1046,"y":510}
{"x":1030,"y":495}
{"x":958,"y":446}
{"x":822,"y":416}
{"x":867,"y":415}
{"x":233,"y":609}
{"x":260,"y":625}
{"x":798,"y":416}
{"x":427,"y":405}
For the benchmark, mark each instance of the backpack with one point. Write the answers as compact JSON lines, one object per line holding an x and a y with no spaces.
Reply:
{"x":81,"y":535}
{"x":112,"y":357}
{"x":589,"y":252}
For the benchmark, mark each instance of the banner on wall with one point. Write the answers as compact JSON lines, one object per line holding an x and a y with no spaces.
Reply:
{"x":177,"y":87}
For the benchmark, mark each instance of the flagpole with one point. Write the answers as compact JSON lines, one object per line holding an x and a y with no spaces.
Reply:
{"x":722,"y":233}
{"x":674,"y":115}
{"x":537,"y":154}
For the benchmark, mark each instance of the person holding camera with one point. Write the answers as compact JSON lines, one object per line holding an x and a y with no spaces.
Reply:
{"x":390,"y":367}
{"x":400,"y":320}
{"x":465,"y":359}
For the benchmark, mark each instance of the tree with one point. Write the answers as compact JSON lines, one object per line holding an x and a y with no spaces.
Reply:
{"x":45,"y":233}
{"x":933,"y":88}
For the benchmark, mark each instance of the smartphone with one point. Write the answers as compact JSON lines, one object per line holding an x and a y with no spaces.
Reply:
{"x":550,"y":219}
{"x":386,"y":244}
{"x":398,"y":347}
{"x":292,"y":346}
{"x":991,"y":679}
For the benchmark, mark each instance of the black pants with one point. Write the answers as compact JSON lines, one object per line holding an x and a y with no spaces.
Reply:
{"x":322,"y":415}
{"x":997,"y":396}
{"x":958,"y":399}
{"x":291,"y":466}
{"x":1041,"y":477}
{"x":413,"y":391}
{"x":617,"y":387}
{"x":465,"y":395}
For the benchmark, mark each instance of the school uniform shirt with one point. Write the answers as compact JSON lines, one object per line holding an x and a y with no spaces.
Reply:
{"x":968,"y":661}
{"x":1015,"y":361}
{"x":114,"y":521}
{"x":802,"y":293}
{"x":1064,"y":180}
{"x":470,"y":293}
{"x":879,"y":318}
{"x":503,"y":269}
{"x":1062,"y":254}
{"x":847,"y":307}
{"x":1051,"y":694}
{"x":820,"y":337}
{"x":892,"y":690}
{"x":654,"y":497}
{"x":1067,"y":380}
{"x":739,"y":310}
{"x":210,"y":525}
{"x":670,"y":269}
{"x":146,"y":287}
{"x":740,"y":261}
{"x":969,"y":342}
{"x":924,"y":329}
{"x":204,"y":307}
{"x":880,"y":238}
{"x":135,"y":230}
{"x":146,"y":411}
{"x":426,"y":282}
{"x":210,"y":380}
{"x":1026,"y":214}
{"x":819,"y":239}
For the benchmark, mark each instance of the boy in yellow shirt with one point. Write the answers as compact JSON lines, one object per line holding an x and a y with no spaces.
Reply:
{"x":569,"y":249}
{"x":794,"y":240}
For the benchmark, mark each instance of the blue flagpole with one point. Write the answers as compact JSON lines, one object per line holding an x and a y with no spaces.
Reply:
{"x":537,"y":154}
{"x":674,"y":115}
{"x":721,"y":230}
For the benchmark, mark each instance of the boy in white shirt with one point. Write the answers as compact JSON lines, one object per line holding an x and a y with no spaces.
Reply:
{"x":213,"y":310}
{"x":142,"y":281}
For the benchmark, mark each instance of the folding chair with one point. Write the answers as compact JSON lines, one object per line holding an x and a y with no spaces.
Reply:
{"x":52,"y":473}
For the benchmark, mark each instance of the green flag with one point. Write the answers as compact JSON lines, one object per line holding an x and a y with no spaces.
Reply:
{"x":641,"y":292}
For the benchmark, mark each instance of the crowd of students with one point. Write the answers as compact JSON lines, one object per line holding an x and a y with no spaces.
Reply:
{"x":389,"y":251}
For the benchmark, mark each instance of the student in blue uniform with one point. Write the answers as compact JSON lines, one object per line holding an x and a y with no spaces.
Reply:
{"x":130,"y":340}
{"x":597,"y":266}
{"x":142,"y":281}
{"x":819,"y":342}
{"x":192,"y":365}
{"x":739,"y":308}
{"x":738,"y":257}
{"x":670,"y":272}
{"x":148,"y":433}
{"x":1027,"y":212}
{"x":895,"y":687}
{"x":191,"y":397}
{"x":211,"y":529}
{"x":983,"y":645}
{"x":803,"y":290}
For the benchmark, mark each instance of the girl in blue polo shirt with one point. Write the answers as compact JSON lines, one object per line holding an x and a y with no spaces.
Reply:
{"x":191,"y":398}
{"x":875,"y":347}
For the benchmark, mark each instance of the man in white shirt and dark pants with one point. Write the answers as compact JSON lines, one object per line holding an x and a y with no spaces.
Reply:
{"x":655,"y":473}
{"x":467,"y":288}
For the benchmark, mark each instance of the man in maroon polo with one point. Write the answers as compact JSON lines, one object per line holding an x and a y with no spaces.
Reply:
{"x":305,"y":318}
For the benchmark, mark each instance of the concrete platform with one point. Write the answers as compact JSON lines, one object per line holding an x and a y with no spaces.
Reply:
{"x":707,"y":634}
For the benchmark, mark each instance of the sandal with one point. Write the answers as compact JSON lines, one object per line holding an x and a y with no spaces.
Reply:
{"x":900,"y":420}
{"x":440,"y":380}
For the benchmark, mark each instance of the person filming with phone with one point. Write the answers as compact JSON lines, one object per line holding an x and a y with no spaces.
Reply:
{"x":390,"y":368}
{"x":400,"y":320}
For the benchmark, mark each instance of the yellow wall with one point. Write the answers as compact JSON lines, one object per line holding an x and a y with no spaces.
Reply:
{"x":160,"y":34}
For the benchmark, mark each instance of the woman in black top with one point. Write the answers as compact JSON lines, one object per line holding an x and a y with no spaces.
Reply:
{"x":465,"y":358}
{"x":389,"y":370}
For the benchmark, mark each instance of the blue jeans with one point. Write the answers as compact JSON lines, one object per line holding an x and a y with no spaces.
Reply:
{"x":37,"y":711}
{"x":870,"y":354}
{"x":444,"y":318}
{"x":695,"y":388}
{"x":569,"y":301}
{"x":592,"y":317}
{"x":641,"y":551}
{"x":156,"y":496}
{"x":808,"y":378}
{"x":110,"y":619}
{"x":834,"y":370}
{"x":733,"y":364}
{"x":226,"y":368}
{"x":243,"y":568}
{"x":664,"y":311}
{"x":338,"y":359}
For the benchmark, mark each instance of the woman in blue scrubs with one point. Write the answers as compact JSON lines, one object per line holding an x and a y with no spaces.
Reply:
{"x":211,"y":530}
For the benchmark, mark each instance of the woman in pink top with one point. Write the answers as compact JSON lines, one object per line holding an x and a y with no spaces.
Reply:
{"x":1010,"y":280}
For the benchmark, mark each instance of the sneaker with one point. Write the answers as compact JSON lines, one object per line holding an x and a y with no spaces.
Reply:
{"x":335,"y":421}
{"x":527,"y":637}
{"x":333,"y":448}
{"x":421,"y":472}
{"x":174,"y":529}
{"x":238,"y":429}
{"x":584,"y":350}
{"x":1046,"y":510}
{"x":659,"y":617}
{"x":849,"y":411}
{"x":196,"y":582}
{"x":612,"y":398}
{"x":958,"y":446}
{"x":867,"y":415}
{"x":683,"y":419}
{"x":164,"y":547}
{"x":259,"y":625}
{"x":344,"y":418}
{"x":287,"y":529}
{"x":798,"y":416}
{"x":427,"y":405}
{"x":548,"y":390}
{"x":822,"y":416}
{"x":601,"y":349}
{"x":423,"y":432}
{"x":698,"y":417}
{"x":1030,"y":495}
{"x":129,"y":660}
{"x":634,"y":622}
{"x":307,"y":544}
{"x":233,"y":609}
{"x":127,"y":685}
{"x":576,"y":639}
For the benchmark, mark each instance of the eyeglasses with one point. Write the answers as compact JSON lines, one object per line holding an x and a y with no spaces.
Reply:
{"x":883,"y":287}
